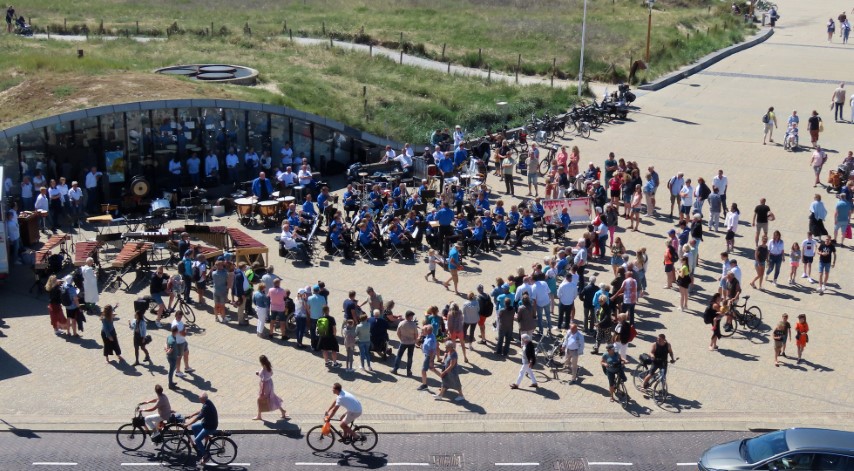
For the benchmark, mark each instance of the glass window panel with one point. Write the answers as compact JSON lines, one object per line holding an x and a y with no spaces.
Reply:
{"x":213,"y":135}
{"x":342,"y":146}
{"x":302,"y":139}
{"x":235,"y":130}
{"x":280,"y":134}
{"x":60,"y":143}
{"x":33,"y":152}
{"x":87,"y":143}
{"x":140,"y":145}
{"x":9,"y":161}
{"x":323,"y":147}
{"x":259,"y":131}
{"x":113,"y":132}
{"x":188,"y":131}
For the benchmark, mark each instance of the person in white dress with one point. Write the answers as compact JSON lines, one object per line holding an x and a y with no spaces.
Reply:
{"x":90,"y":282}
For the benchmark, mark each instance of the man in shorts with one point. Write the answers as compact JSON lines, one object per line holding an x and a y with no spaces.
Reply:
{"x":761,"y":215}
{"x":841,"y":218}
{"x":612,"y":365}
{"x":826,"y":260}
{"x":352,"y":408}
{"x":819,"y":157}
{"x":808,"y":247}
{"x":675,"y":186}
{"x":686,"y":200}
{"x":428,"y":346}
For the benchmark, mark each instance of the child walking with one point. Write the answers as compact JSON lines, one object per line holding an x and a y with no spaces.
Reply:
{"x":787,"y":333}
{"x":794,"y":261}
{"x":349,"y":333}
{"x":432,"y":260}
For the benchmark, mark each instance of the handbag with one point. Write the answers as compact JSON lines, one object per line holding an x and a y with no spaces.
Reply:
{"x":848,"y":231}
{"x":821,"y":126}
{"x":147,"y":340}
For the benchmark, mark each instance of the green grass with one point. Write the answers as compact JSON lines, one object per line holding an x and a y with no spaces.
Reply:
{"x":403,"y":103}
{"x":540,"y":30}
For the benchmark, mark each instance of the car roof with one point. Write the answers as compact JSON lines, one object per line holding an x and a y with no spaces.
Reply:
{"x":800,"y":438}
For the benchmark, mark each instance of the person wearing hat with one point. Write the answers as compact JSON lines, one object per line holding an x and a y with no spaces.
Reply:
{"x":455,"y":263}
{"x":612,"y":366}
{"x":529,"y":359}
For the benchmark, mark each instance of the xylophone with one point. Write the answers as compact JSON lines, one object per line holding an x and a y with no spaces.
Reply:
{"x":43,"y":253}
{"x":208,"y":252}
{"x":246,"y":246}
{"x":132,"y":256}
{"x":228,"y":239}
{"x":150,"y":236}
{"x":84,"y":250}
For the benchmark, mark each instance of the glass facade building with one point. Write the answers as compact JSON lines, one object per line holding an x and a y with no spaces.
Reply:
{"x":138,"y":139}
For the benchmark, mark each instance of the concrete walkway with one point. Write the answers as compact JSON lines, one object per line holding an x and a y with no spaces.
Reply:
{"x":708,"y":122}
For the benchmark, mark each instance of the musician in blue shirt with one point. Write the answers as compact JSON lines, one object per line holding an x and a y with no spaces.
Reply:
{"x":262,"y":188}
{"x":446,"y":166}
{"x":560,"y":224}
{"x":397,"y":238}
{"x":399,"y":194}
{"x":482,"y":203}
{"x":513,"y":218}
{"x":367,"y":239}
{"x":538,"y":211}
{"x":412,"y":201}
{"x":375,"y":197}
{"x":351,"y":202}
{"x":499,"y":208}
{"x":501,"y":232}
{"x":459,"y":197}
{"x":476,"y":237}
{"x":308,"y":207}
{"x":422,"y":188}
{"x":460,"y":156}
{"x":445,"y":217}
{"x":338,"y":241}
{"x":526,"y":228}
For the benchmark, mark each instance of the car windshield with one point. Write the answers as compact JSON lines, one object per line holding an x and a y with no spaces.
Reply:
{"x":765,"y":446}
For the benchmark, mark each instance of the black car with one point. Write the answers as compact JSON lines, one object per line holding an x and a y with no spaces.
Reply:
{"x":792,"y":449}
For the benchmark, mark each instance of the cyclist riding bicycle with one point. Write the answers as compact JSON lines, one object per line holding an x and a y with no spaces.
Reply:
{"x":352,"y":408}
{"x":660,"y":350}
{"x":155,"y":422}
{"x":201,"y":430}
{"x":612,"y":365}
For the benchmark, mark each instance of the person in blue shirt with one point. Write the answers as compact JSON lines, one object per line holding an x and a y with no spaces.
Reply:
{"x":193,"y":168}
{"x":324,"y":199}
{"x":293,"y":217}
{"x":684,"y":233}
{"x":445,"y":217}
{"x":501,"y":232}
{"x":460,"y":156}
{"x":488,"y":221}
{"x":538,"y":211}
{"x":559,"y":224}
{"x":351,"y":202}
{"x":368,"y":240}
{"x":562,"y":263}
{"x":513,"y":218}
{"x":526,"y":228}
{"x":459,"y":197}
{"x":399,"y":239}
{"x":339,"y":242}
{"x":375,"y":196}
{"x":308,"y":207}
{"x":477,"y":235}
{"x":412,"y":201}
{"x":422,"y":188}
{"x":499,"y":208}
{"x":455,"y":263}
{"x":446,"y":166}
{"x":262,"y":188}
{"x":482,"y":203}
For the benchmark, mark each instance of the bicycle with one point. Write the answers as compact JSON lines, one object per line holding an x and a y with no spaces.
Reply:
{"x":749,"y":317}
{"x":180,"y":305}
{"x":546,"y":162}
{"x":620,"y":389}
{"x":551,"y":353}
{"x":657,"y":383}
{"x":132,"y":436}
{"x":322,"y":437}
{"x":178,"y":440}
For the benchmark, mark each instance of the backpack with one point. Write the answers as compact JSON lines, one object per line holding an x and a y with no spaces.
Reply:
{"x":709,"y":315}
{"x":77,"y":277}
{"x":323,"y":327}
{"x":246,"y":286}
{"x":485,"y":304}
{"x":197,"y":274}
{"x":65,"y":297}
{"x":765,"y":118}
{"x":186,"y":267}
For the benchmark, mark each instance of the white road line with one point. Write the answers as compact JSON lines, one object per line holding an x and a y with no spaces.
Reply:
{"x":407,"y":464}
{"x":315,"y":464}
{"x":686,"y":464}
{"x":140,"y":464}
{"x":608,"y":463}
{"x":53,"y":463}
{"x":517,"y":464}
{"x":241,"y":464}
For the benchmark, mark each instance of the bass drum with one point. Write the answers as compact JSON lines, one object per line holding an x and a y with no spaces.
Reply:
{"x":139,"y":186}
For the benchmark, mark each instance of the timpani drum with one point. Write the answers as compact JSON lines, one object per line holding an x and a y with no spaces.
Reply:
{"x":160,"y":207}
{"x":267,"y":209}
{"x":283,"y":205}
{"x":432,"y":171}
{"x":244,"y":206}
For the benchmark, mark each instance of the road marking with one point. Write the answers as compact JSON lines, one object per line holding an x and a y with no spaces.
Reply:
{"x":140,"y":464}
{"x":315,"y":464}
{"x":53,"y":463}
{"x":517,"y":464}
{"x":686,"y":464}
{"x":608,"y":463}
{"x":407,"y":464}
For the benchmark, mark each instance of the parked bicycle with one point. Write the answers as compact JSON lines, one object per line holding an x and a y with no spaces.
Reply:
{"x":322,"y":437}
{"x":178,"y":440}
{"x":548,"y":348}
{"x":180,"y":305}
{"x":740,"y":314}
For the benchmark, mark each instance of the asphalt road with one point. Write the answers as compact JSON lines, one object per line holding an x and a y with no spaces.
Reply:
{"x":514,"y":451}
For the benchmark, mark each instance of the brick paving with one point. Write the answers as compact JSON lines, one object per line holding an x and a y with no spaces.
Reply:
{"x":698,"y":125}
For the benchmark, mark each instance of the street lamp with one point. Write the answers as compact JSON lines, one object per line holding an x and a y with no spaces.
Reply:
{"x":650,"y":4}
{"x":581,"y":63}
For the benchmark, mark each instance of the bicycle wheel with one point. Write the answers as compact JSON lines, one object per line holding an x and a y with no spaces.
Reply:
{"x":317,"y":441}
{"x":659,"y":392}
{"x":584,"y":130}
{"x":178,"y":453}
{"x":623,"y":394}
{"x":640,"y":373}
{"x":130,"y":437}
{"x":544,"y":167}
{"x":367,"y":438}
{"x":188,"y":312}
{"x":733,"y":326}
{"x":752,"y":317}
{"x":222,"y":450}
{"x":173,"y":437}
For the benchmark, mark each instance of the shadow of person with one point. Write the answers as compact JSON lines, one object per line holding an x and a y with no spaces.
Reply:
{"x":816,"y":366}
{"x":199,"y":382}
{"x":737,"y":355}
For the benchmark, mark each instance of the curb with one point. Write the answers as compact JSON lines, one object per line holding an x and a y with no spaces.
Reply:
{"x":707,"y":61}
{"x":606,"y":422}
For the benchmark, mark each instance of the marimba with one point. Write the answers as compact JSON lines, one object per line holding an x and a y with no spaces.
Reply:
{"x":132,"y":256}
{"x":228,"y":240}
{"x":44,"y":252}
{"x":150,"y":236}
{"x":84,"y":250}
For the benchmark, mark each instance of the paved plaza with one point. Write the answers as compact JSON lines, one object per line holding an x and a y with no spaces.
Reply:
{"x":706,"y":122}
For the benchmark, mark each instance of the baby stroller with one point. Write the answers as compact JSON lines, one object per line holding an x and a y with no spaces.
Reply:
{"x":22,"y":28}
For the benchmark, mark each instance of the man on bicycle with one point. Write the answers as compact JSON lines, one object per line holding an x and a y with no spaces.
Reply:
{"x":164,"y":411}
{"x":660,"y":350}
{"x":209,"y":422}
{"x":612,"y":365}
{"x":352,"y":410}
